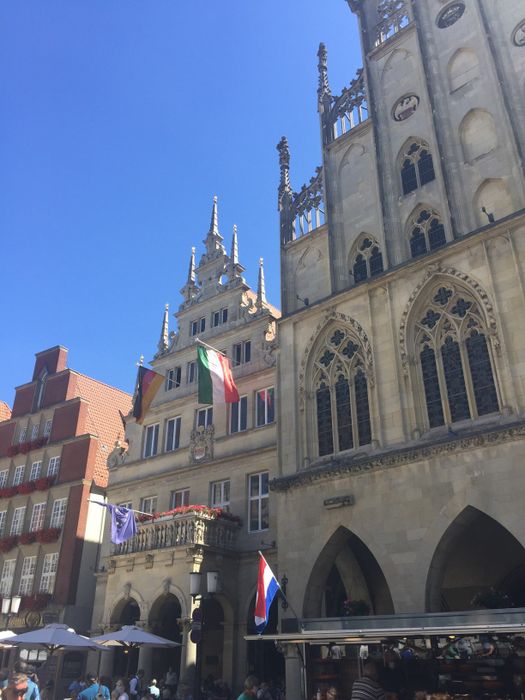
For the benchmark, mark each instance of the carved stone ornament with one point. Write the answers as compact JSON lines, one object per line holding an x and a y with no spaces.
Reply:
{"x":117,"y":456}
{"x":201,"y":443}
{"x":405,"y":107}
{"x":330,"y":316}
{"x":474,"y":287}
{"x":450,"y":15}
{"x":518,"y":35}
{"x":126,"y":590}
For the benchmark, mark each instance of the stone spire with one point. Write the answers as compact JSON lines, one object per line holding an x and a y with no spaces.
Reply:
{"x":235,"y":269}
{"x":190,"y":288}
{"x":284,"y":166}
{"x":261,"y":288}
{"x":164,"y":332}
{"x":213,"y":240}
{"x":323,"y":91}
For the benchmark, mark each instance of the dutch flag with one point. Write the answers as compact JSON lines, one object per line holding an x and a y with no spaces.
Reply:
{"x":267,"y":587}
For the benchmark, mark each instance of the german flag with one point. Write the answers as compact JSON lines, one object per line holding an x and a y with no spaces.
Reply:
{"x":148,"y":383}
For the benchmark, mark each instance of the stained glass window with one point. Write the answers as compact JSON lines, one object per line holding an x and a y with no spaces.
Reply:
{"x":426,"y":233}
{"x":368,"y":260}
{"x":324,"y":421}
{"x":481,"y":371}
{"x":344,"y":413}
{"x":363,"y":408}
{"x":418,"y":167}
{"x":431,"y":386}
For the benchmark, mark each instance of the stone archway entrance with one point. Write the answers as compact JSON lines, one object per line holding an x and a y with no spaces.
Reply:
{"x":212,"y":639}
{"x":346,"y":570}
{"x":163,"y":620}
{"x":126,"y":612}
{"x":476,"y":555}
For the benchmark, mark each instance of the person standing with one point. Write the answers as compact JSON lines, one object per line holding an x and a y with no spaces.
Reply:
{"x":367,"y":687}
{"x":17,"y":687}
{"x":94,"y":689}
{"x":250,"y":688}
{"x":121,"y":690}
{"x":135,"y":685}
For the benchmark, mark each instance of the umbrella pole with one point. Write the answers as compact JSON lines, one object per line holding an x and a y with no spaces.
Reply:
{"x":127,"y":664}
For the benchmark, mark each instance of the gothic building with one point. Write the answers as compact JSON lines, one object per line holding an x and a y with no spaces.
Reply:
{"x":401,"y":376}
{"x":203,"y":472}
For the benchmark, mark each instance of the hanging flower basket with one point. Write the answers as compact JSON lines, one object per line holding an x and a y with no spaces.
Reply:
{"x":27,"y":538}
{"x":50,"y":535}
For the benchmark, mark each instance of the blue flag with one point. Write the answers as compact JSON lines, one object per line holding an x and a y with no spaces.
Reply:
{"x":123,"y":525}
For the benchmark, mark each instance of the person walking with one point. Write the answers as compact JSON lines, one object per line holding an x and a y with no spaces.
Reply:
{"x":367,"y":687}
{"x":250,"y":688}
{"x":135,"y":685}
{"x":94,"y":689}
{"x":17,"y":687}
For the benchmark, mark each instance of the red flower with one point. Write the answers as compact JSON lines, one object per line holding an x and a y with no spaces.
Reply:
{"x":212,"y":513}
{"x":7,"y":543}
{"x":12,"y":450}
{"x":27,"y":538}
{"x":50,"y":535}
{"x":24,"y":447}
{"x":27,"y":487}
{"x":38,"y":601}
{"x":44,"y":483}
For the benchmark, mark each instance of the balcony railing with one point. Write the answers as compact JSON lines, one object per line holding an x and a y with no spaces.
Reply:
{"x":395,"y":17}
{"x":348,"y":110}
{"x":181,"y":531}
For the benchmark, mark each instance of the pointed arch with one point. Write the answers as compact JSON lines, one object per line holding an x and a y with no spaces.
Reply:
{"x":415,"y":164}
{"x":399,"y":63}
{"x":492,"y":198}
{"x":463,"y":68}
{"x":346,"y":560}
{"x":448,"y":335}
{"x":337,"y":382}
{"x":478,"y":134}
{"x":425,"y":230}
{"x":366,"y":258}
{"x":475,"y":553}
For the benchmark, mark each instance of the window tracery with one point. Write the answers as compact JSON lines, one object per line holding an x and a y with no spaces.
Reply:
{"x":417,"y":166}
{"x":454,"y":358}
{"x":340,"y":385}
{"x":426,"y":232}
{"x":367,"y":260}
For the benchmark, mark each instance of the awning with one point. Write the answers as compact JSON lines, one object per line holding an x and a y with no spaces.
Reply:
{"x":375,"y":628}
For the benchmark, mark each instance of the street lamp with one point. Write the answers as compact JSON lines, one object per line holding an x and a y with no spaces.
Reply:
{"x":197,"y":621}
{"x":10,"y":607}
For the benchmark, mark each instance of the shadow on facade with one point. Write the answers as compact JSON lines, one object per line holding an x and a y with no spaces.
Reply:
{"x":163,"y":620}
{"x":126,"y":612}
{"x":264,"y":661}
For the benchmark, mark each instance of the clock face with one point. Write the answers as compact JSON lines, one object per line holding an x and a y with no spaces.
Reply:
{"x":518,"y":36}
{"x":450,"y":15}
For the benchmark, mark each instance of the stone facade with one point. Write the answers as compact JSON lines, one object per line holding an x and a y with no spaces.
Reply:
{"x":419,"y":203}
{"x":222,"y":460}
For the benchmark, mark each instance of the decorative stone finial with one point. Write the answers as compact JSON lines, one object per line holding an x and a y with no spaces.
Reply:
{"x":323,"y":90}
{"x":234,"y":268}
{"x":284,"y":165}
{"x":190,"y":288}
{"x":261,"y":287}
{"x":213,"y":240}
{"x":164,"y":332}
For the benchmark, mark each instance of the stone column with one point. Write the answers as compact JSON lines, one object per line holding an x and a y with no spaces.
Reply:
{"x":145,"y":658}
{"x":294,"y":672}
{"x":106,"y":663}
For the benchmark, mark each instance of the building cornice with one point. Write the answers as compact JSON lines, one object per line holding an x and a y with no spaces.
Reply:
{"x":346,"y":466}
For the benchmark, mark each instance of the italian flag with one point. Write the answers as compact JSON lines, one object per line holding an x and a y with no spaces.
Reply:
{"x":216,"y":383}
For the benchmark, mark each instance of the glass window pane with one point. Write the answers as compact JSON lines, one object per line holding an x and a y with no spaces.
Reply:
{"x":481,"y":373}
{"x":254,"y":485}
{"x":344,"y":415}
{"x":431,"y":386}
{"x":455,"y":381}
{"x":324,"y":422}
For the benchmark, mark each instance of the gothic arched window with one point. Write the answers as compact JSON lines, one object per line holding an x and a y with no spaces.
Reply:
{"x":367,"y":260}
{"x":417,"y":166}
{"x":341,"y":394}
{"x":454,"y":358}
{"x":426,"y":232}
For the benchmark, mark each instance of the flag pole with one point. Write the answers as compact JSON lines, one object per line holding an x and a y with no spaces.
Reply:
{"x":283,"y":595}
{"x":210,"y":347}
{"x":139,"y":512}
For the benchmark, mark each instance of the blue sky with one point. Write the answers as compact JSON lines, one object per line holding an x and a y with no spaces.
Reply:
{"x":120,"y":120}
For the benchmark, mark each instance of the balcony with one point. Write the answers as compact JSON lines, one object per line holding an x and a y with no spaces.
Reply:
{"x":181,"y":530}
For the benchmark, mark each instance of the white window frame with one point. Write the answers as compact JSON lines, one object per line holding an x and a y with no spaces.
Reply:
{"x":148,"y":504}
{"x":4,"y":476}
{"x":198,"y":325}
{"x":58,"y":513}
{"x":27,"y":575}
{"x":241,"y":353}
{"x":180,"y":495}
{"x":3,"y":523}
{"x":23,"y":435}
{"x":151,"y":440}
{"x":49,"y":572}
{"x":127,"y":504}
{"x":204,"y":417}
{"x":38,"y":517}
{"x":7,"y":577}
{"x":174,"y":444}
{"x":220,"y":494}
{"x":218,"y":318}
{"x":48,"y":427}
{"x":34,"y":432}
{"x":265,"y":418}
{"x":17,"y":521}
{"x":192,"y":373}
{"x":36,"y":470}
{"x":53,"y":466}
{"x":18,"y":475}
{"x":173,"y":378}
{"x":236,"y":422}
{"x":262,"y":495}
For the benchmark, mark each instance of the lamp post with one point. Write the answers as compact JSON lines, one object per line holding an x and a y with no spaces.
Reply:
{"x":10,"y":607}
{"x":197,"y":620}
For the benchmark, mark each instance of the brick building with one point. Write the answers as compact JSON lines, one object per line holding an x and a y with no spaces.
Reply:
{"x":53,"y":450}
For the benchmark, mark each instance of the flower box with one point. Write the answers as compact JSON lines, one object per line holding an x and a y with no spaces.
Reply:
{"x":38,"y":601}
{"x":50,"y":535}
{"x":27,"y":538}
{"x":24,"y":447}
{"x":44,"y":483}
{"x":12,"y":450}
{"x":7,"y":543}
{"x":8,"y":492}
{"x":26,"y":488}
{"x":212,"y":513}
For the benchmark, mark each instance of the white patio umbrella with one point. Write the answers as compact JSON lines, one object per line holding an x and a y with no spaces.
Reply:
{"x":53,"y":638}
{"x":132,"y":637}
